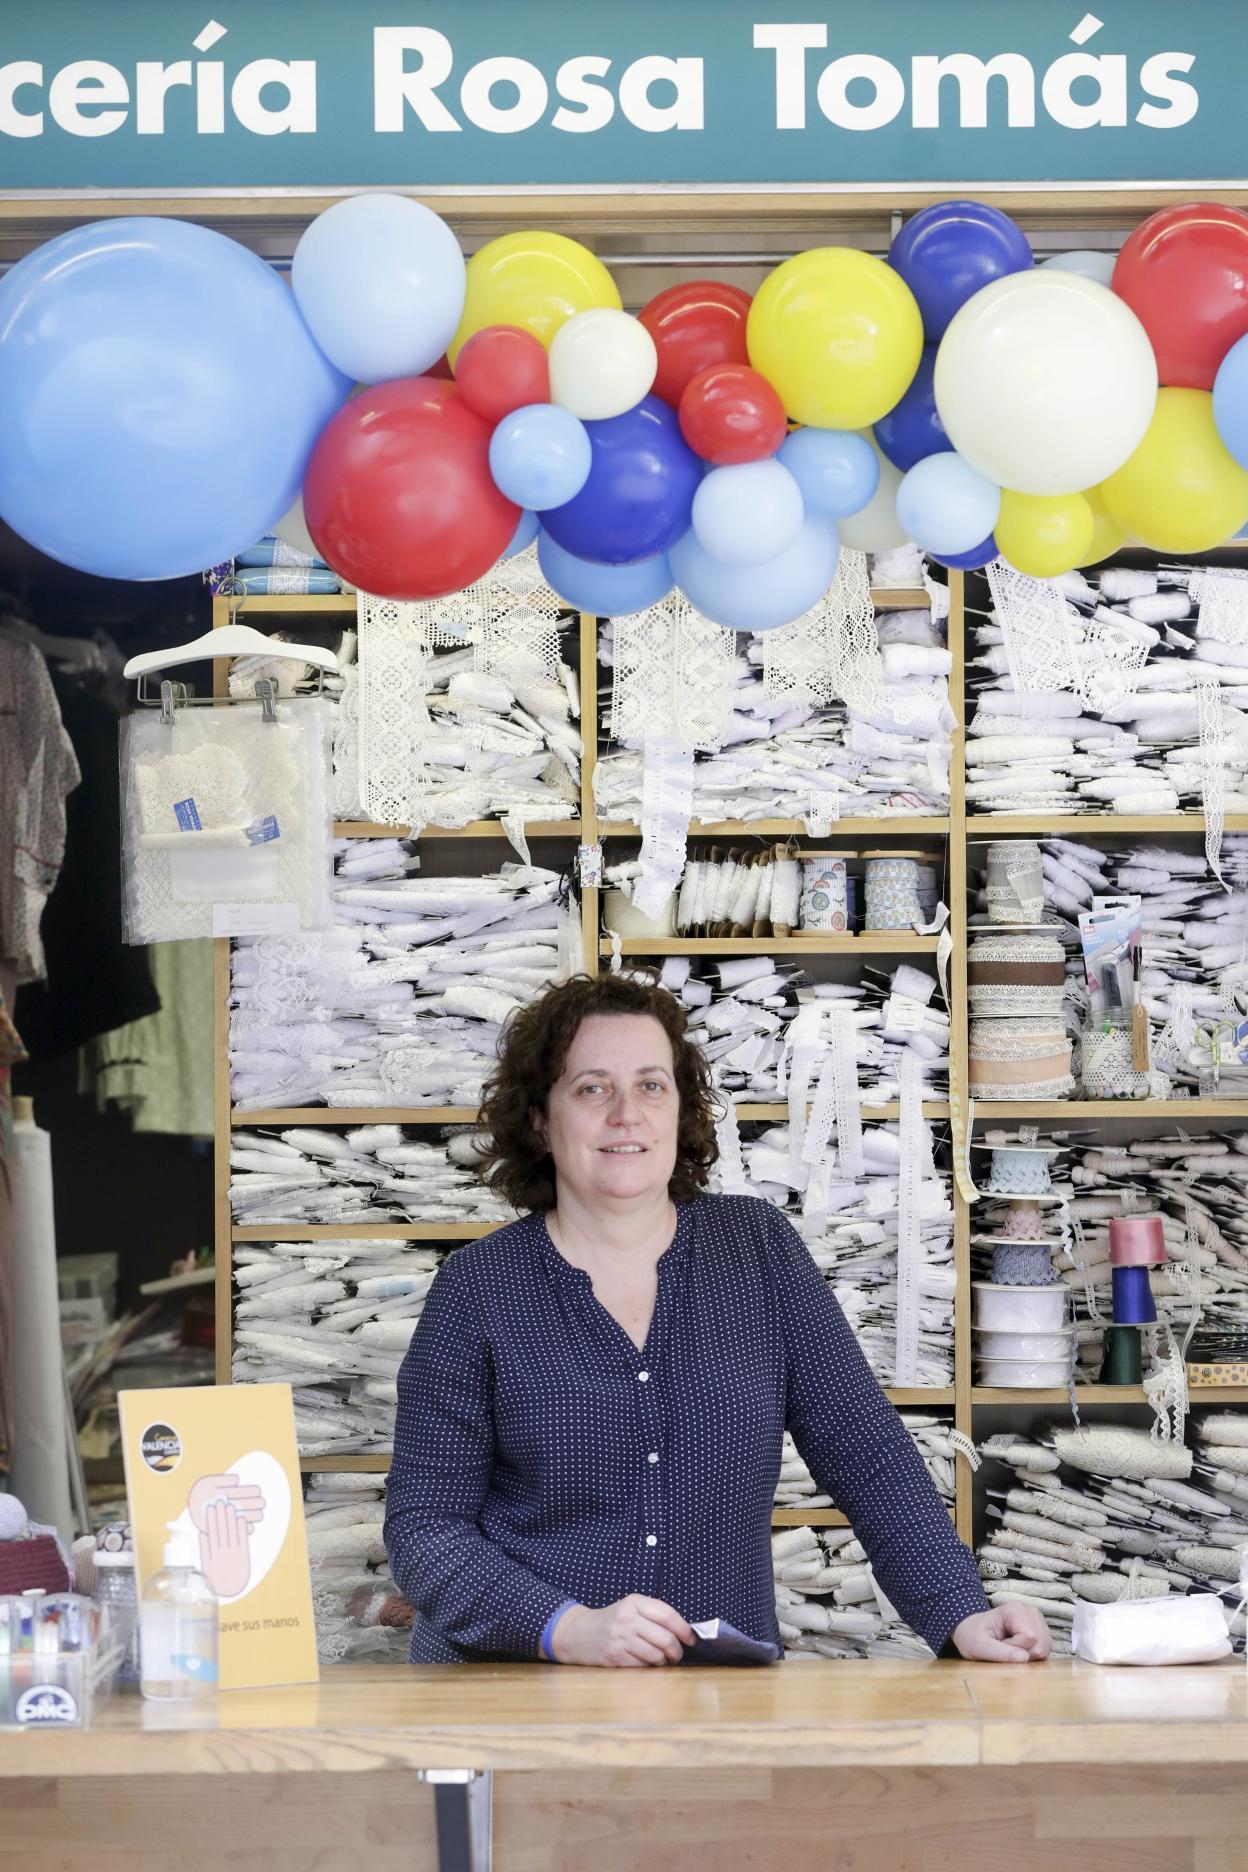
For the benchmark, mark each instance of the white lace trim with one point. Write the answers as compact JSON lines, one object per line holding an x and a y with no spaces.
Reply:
{"x":1035,"y":625}
{"x":674,"y":676}
{"x":666,"y":808}
{"x":1222,"y":596}
{"x":909,"y":1232}
{"x":1212,"y":774}
{"x":832,"y":653}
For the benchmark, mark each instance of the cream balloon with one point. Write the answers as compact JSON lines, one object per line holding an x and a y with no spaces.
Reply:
{"x":602,"y":363}
{"x":875,"y":527}
{"x":1045,"y":382}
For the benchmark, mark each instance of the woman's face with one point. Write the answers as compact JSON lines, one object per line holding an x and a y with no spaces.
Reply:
{"x":612,"y":1114}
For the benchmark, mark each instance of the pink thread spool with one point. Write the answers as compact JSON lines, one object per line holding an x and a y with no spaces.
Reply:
{"x":1137,"y":1241}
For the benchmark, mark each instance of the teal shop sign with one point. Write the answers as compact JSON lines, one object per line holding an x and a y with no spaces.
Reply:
{"x":163,"y":94}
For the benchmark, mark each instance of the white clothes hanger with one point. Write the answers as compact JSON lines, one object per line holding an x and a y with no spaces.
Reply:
{"x":231,"y":640}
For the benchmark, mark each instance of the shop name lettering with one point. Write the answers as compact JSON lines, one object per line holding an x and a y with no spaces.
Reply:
{"x":417,"y":82}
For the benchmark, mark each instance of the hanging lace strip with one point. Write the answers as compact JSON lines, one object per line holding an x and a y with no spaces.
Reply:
{"x":1110,"y":661}
{"x":510,"y":617}
{"x":730,"y":1170}
{"x":1212,"y":775}
{"x":1222,"y":598}
{"x":1035,"y":625}
{"x":674,"y":676}
{"x":832,"y":653}
{"x":909,"y":1234}
{"x":666,"y":805}
{"x":841,"y":1069}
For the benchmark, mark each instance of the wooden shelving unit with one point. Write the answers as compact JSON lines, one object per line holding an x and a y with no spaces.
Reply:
{"x":971,"y":1408}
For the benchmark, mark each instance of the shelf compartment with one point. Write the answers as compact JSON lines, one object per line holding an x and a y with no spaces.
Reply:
{"x":850,"y":827}
{"x":1103,"y":1394}
{"x":900,"y":942}
{"x":1011,"y":825}
{"x":357,"y":1115}
{"x":872,"y":1114}
{"x":1071,"y":1110}
{"x":476,"y":828}
{"x":360,"y":1231}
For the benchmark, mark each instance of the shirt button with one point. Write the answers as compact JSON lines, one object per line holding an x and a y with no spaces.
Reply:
{"x":652,"y":1540}
{"x":643,"y":1377}
{"x":654,"y":1455}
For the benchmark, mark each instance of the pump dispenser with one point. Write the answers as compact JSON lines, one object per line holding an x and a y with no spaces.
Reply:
{"x":178,"y":1624}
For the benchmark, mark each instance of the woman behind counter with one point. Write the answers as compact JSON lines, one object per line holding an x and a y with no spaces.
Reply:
{"x":591,"y":1411}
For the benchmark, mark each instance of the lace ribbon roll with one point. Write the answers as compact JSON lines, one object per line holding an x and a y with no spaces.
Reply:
{"x":1019,"y":1059}
{"x":1022,"y":1264}
{"x":1106,"y":1065}
{"x":1019,"y":1173}
{"x":892,"y":890}
{"x":1023,"y":975}
{"x":1024,"y":1223}
{"x":825,"y":892}
{"x":1015,"y":881}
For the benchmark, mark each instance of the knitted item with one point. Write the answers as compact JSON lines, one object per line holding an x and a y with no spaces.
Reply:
{"x":32,"y":1561}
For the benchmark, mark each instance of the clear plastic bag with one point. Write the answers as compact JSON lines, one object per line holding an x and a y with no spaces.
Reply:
{"x":1188,"y":1630}
{"x":223,"y":807}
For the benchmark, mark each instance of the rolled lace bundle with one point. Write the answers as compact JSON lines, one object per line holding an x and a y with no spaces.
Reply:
{"x":1020,"y":1059}
{"x":1023,"y":975}
{"x":1015,"y":881}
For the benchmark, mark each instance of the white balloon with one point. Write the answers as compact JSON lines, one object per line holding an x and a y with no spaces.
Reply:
{"x":1045,"y":382}
{"x":1093,"y":266}
{"x":601,"y":363}
{"x":293,"y":528}
{"x":875,"y":527}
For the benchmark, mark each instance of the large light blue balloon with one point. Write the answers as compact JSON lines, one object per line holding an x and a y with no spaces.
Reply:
{"x":1093,"y":266}
{"x":160,"y":396}
{"x":540,"y":456}
{"x":1230,"y":402}
{"x":747,"y":514}
{"x":945,"y":505}
{"x":381,"y":281}
{"x":758,"y":597}
{"x":836,"y":470}
{"x":603,"y":590}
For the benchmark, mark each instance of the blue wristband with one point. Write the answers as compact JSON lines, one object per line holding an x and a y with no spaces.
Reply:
{"x":549,"y":1627}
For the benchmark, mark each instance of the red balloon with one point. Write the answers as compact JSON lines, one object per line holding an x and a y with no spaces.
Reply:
{"x":1184,"y":273}
{"x":398,"y":494}
{"x":501,"y":369}
{"x":731,"y":414}
{"x":693,"y":327}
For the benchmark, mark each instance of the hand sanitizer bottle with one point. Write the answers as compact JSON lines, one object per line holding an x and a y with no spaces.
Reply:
{"x":178,"y":1625}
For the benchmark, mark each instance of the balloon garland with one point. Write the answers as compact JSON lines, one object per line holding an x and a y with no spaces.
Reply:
{"x":167,"y":401}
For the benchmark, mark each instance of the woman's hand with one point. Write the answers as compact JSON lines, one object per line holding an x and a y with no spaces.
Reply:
{"x":634,"y":1631}
{"x":1012,"y":1633}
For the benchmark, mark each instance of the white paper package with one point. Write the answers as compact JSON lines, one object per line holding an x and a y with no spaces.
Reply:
{"x":1190,"y":1630}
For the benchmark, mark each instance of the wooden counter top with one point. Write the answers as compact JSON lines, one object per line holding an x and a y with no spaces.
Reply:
{"x":367,"y":1717}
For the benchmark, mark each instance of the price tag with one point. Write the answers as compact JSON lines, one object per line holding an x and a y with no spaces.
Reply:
{"x":258,"y":919}
{"x":589,"y":865}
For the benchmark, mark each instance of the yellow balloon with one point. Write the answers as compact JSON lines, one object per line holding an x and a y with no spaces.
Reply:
{"x":536,"y":281}
{"x":1107,"y":535}
{"x":839,"y":336}
{"x":1044,"y":534}
{"x":1180,"y":491}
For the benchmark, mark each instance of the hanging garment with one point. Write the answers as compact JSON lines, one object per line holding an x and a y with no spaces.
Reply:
{"x":83,"y":917}
{"x":37,"y":773}
{"x":11,"y":1051}
{"x":158,"y":1070}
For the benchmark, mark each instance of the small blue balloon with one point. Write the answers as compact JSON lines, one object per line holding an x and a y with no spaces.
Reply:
{"x":638,"y":500}
{"x":945,"y":253}
{"x":912,"y":430}
{"x":748,"y":514}
{"x":836,"y":470}
{"x":161,"y":396}
{"x":945,"y":505}
{"x":973,"y":561}
{"x":524,"y":535}
{"x":1230,"y":402}
{"x":603,"y":590}
{"x":540,"y":456}
{"x":759,"y":598}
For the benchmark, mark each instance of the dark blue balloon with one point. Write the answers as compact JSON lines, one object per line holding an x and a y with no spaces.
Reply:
{"x":161,"y":396}
{"x":638,"y":500}
{"x":972,"y":561}
{"x":945,"y":253}
{"x":912,"y":430}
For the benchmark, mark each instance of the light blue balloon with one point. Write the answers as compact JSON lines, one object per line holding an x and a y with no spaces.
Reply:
{"x":381,"y":281}
{"x":837,"y":471}
{"x":603,"y":590}
{"x":758,"y":597}
{"x":746,"y":515}
{"x":161,"y":395}
{"x":1093,"y":266}
{"x":524,"y":535}
{"x":540,"y":456}
{"x":945,"y":505}
{"x":1230,"y":402}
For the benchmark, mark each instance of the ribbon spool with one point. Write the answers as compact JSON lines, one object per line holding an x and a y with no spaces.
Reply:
{"x":1015,"y":881}
{"x":892,"y":890}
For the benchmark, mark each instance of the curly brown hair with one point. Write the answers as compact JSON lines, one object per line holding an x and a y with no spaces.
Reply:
{"x":534,"y":1046}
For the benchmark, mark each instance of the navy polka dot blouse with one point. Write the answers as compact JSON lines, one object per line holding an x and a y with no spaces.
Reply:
{"x":539,"y":1457}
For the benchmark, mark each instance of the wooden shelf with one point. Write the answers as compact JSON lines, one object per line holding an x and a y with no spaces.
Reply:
{"x":1072,"y":1110}
{"x":915,"y":826}
{"x":357,"y":1115}
{"x":1010,"y":825}
{"x":476,"y":828}
{"x":808,"y":1517}
{"x":873,"y":1114}
{"x":376,"y":1462}
{"x":899,"y":942}
{"x":247,"y":604}
{"x":362,"y":1231}
{"x":920,"y":1398}
{"x":1103,"y":1394}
